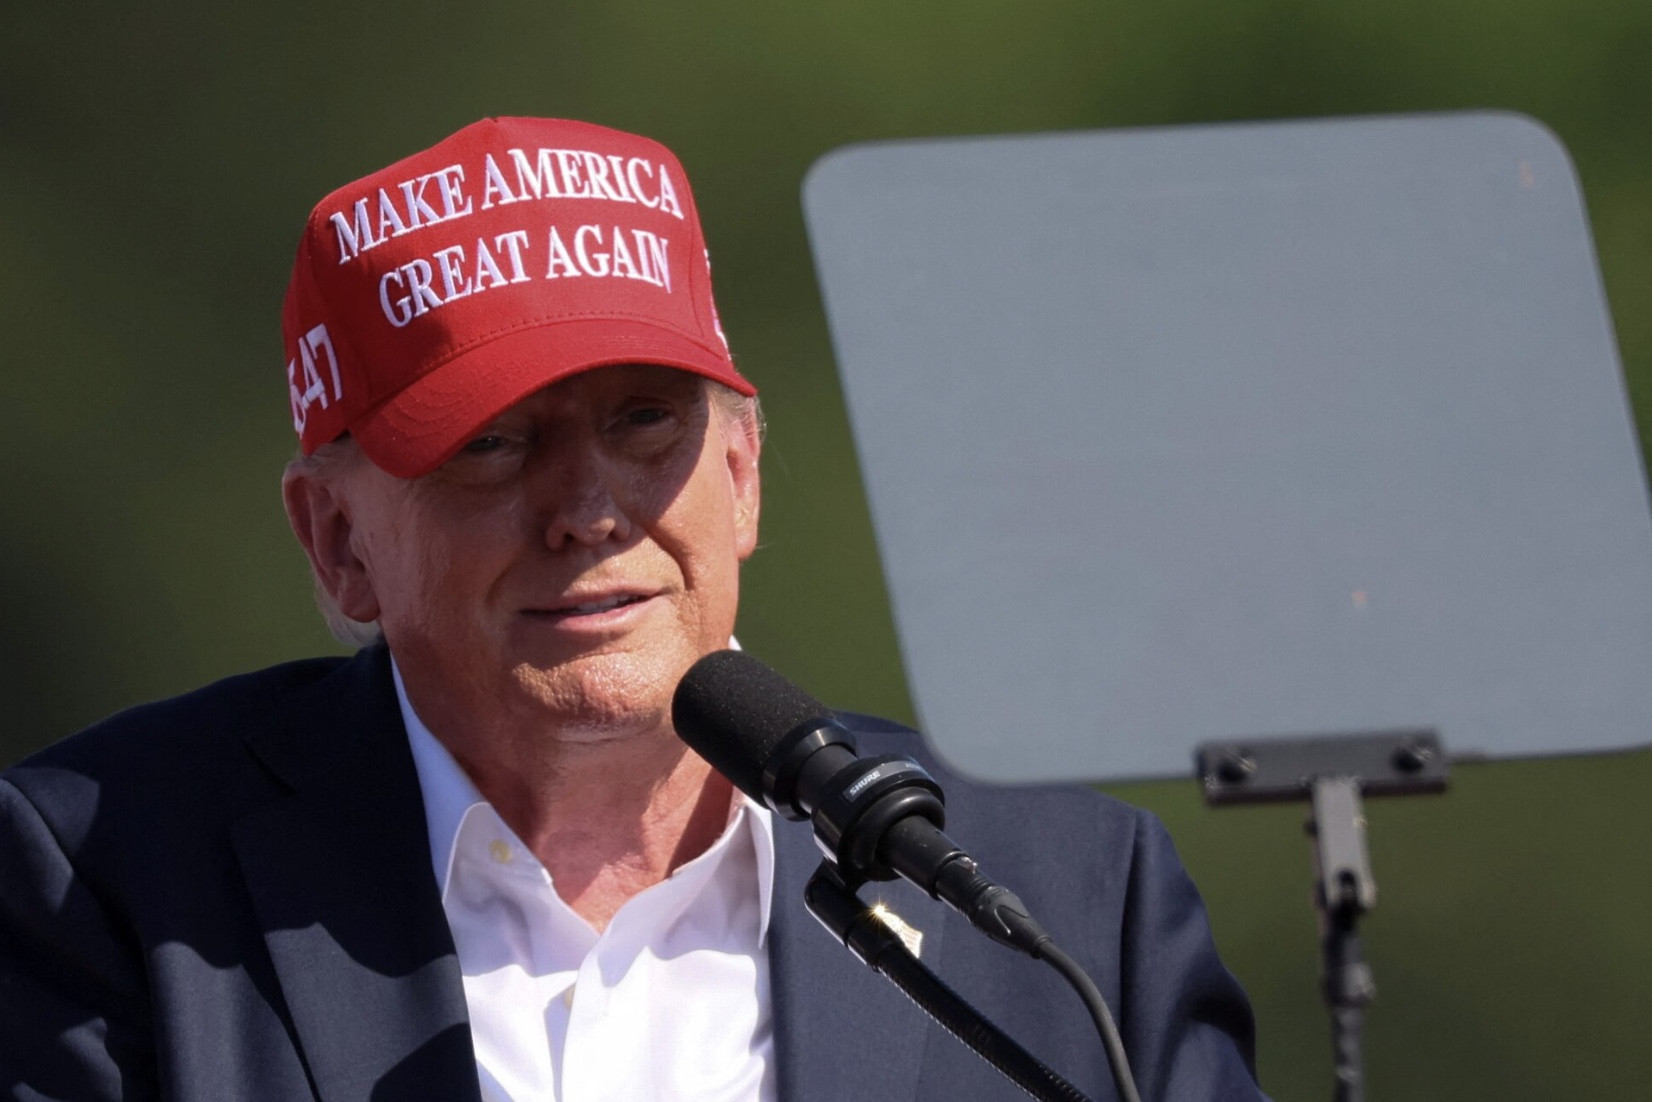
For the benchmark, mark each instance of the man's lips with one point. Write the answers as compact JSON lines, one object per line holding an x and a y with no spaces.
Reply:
{"x":596,"y":604}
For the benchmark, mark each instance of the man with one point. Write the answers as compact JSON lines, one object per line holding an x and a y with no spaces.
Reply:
{"x":475,"y":858}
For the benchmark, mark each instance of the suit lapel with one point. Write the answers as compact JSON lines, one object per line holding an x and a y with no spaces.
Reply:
{"x":340,"y":878}
{"x":841,"y":1030}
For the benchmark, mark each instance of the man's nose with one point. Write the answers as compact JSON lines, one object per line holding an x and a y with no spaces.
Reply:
{"x":577,"y":498}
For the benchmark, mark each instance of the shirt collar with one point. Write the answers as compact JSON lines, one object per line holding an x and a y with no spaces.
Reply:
{"x":448,"y":794}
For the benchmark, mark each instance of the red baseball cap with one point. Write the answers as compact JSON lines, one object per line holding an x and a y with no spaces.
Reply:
{"x":433,"y":294}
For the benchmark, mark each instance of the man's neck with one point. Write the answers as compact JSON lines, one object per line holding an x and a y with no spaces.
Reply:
{"x":607,"y":821}
{"x":608,"y":816}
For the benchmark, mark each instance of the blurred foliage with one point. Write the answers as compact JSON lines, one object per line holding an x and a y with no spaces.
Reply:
{"x":157,"y":161}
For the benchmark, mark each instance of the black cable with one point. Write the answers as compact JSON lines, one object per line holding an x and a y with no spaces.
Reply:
{"x":956,"y":1016}
{"x":875,"y":944}
{"x":948,"y":874}
{"x":1094,"y":1004}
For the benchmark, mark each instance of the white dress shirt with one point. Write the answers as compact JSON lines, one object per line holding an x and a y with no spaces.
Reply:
{"x":670,"y":1001}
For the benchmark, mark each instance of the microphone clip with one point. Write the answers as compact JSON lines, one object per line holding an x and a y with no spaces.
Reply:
{"x":863,"y":801}
{"x":852,"y":802}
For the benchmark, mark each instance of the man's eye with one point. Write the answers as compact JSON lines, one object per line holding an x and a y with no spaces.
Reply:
{"x":486,"y":443}
{"x":645,"y":415}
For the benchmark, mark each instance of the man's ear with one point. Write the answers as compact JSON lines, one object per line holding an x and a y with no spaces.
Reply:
{"x":742,"y":445}
{"x":317,"y":510}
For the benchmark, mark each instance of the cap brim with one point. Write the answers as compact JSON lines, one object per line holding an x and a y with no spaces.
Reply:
{"x":422,"y":426}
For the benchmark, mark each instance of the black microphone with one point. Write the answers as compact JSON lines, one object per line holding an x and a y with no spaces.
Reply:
{"x":875,"y":818}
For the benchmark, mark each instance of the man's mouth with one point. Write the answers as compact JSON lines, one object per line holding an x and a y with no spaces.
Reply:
{"x":595,"y":605}
{"x":588,"y":608}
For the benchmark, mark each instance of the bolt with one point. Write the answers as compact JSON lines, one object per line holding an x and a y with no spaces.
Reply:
{"x":1236,"y":767}
{"x":1412,"y":755}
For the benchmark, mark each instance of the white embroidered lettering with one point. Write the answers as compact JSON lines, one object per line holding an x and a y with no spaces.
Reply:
{"x":487,"y":272}
{"x":418,"y":274}
{"x":400,"y":312}
{"x":304,"y":370}
{"x":619,"y":167}
{"x":420,"y":212}
{"x":454,"y":283}
{"x":568,"y":160}
{"x":515,"y":241}
{"x":353,"y":236}
{"x":632,"y":167}
{"x":669,"y":194}
{"x":455,"y":203}
{"x":623,"y":265}
{"x":594,"y":264}
{"x":559,"y":257}
{"x":538,"y":179}
{"x":390,"y":223}
{"x":597,"y":171}
{"x":652,"y":250}
{"x":494,"y":186}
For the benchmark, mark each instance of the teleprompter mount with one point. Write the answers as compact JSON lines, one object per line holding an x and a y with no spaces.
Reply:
{"x":1332,"y":772}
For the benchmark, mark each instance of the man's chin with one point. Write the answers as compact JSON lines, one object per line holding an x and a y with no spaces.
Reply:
{"x":602,"y":696}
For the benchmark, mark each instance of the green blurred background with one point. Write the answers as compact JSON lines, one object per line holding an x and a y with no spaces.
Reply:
{"x":157,"y":162}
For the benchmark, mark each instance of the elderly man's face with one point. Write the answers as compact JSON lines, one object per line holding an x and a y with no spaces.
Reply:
{"x":570,"y":562}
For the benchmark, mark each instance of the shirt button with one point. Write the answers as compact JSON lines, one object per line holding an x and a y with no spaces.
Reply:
{"x":500,"y":850}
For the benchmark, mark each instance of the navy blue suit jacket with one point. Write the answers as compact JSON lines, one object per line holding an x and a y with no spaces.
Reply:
{"x":229,"y":896}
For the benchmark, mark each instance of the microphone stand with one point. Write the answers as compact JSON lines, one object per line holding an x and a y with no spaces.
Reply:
{"x":833,"y":901}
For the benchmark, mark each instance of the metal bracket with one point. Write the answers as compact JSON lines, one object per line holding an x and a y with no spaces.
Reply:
{"x":1332,"y":772}
{"x":1382,"y":763}
{"x":1340,"y":831}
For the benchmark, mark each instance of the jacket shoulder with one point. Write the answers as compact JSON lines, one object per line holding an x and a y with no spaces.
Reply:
{"x":239,"y":703}
{"x":184,"y":765}
{"x":1105,"y":879}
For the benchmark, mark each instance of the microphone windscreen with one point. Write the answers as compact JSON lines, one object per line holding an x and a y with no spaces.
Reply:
{"x":732,"y":710}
